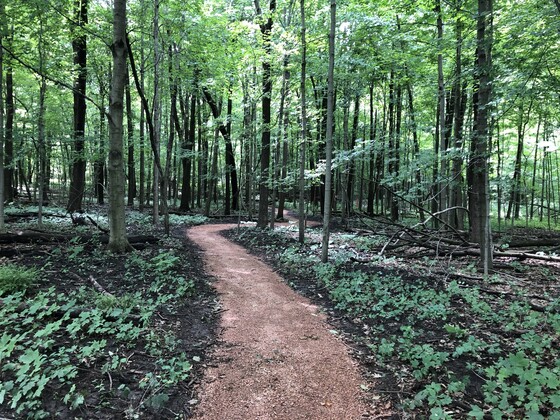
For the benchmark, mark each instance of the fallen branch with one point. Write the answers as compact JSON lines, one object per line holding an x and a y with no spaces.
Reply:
{"x":94,"y":283}
{"x":33,"y":236}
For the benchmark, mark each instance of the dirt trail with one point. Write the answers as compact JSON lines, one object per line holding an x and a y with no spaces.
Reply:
{"x":278,"y":359}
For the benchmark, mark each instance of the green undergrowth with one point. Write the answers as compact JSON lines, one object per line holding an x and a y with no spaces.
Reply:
{"x":453,"y":349}
{"x":67,"y":347}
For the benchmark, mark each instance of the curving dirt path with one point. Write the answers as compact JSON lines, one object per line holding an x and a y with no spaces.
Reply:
{"x":278,"y":359}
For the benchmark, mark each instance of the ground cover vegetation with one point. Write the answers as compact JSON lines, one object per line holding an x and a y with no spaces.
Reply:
{"x":91,"y":334}
{"x":435,"y":338}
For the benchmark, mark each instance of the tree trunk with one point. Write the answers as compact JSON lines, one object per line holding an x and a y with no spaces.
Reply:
{"x":284,"y":119}
{"x":457,"y":216}
{"x":266,"y":29}
{"x":130,"y":136}
{"x":9,"y":133}
{"x":231,"y":172}
{"x":2,"y":225}
{"x":372,"y":132}
{"x":329,"y":137}
{"x":99,"y":165}
{"x":443,"y":173}
{"x":186,"y":160}
{"x":280,"y":139}
{"x":79,"y":47}
{"x":303,"y":148}
{"x":156,"y":112}
{"x":118,"y":241}
{"x":352,"y":164}
{"x":478,"y":192}
{"x":142,"y":169}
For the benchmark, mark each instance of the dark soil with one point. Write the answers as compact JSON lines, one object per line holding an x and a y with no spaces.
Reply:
{"x":68,"y":266}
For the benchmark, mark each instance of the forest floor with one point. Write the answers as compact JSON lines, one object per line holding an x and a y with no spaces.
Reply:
{"x":180,"y":329}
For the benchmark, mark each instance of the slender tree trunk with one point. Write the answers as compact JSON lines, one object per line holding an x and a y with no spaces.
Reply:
{"x":266,"y":29}
{"x":352,"y":164}
{"x":457,"y":216}
{"x":213,"y":174}
{"x":231,"y":172}
{"x":391,"y":197}
{"x":118,"y":241}
{"x":99,"y":165}
{"x":329,"y":136}
{"x":284,"y":119}
{"x":79,"y":47}
{"x":130,"y":136}
{"x":443,"y":187}
{"x":142,"y":140}
{"x":416,"y":147}
{"x":9,"y":131}
{"x":247,"y":147}
{"x":303,"y":144}
{"x":279,"y":140}
{"x":156,"y":111}
{"x":372,"y":131}
{"x":533,"y":178}
{"x":190,"y":138}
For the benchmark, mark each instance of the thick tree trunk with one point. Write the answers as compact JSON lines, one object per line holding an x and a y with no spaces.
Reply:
{"x":329,"y":137}
{"x":479,"y":211}
{"x":79,"y":47}
{"x":118,"y":241}
{"x":2,"y":226}
{"x":266,"y":29}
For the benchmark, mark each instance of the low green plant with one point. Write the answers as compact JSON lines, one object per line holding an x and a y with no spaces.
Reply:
{"x":15,"y":278}
{"x":518,"y":382}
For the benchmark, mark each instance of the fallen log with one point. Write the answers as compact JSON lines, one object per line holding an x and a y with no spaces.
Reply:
{"x":29,"y":236}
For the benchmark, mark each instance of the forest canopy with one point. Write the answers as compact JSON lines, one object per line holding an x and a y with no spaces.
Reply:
{"x":444,"y":112}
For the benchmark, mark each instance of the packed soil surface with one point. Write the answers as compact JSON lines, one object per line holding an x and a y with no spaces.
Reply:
{"x":278,"y":358}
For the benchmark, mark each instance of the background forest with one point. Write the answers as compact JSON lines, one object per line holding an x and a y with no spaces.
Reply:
{"x":424,"y":133}
{"x":214,"y":92}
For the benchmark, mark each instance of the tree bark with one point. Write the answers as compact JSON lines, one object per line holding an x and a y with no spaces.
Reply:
{"x":303,"y":144}
{"x":9,"y":133}
{"x":79,"y":47}
{"x":266,"y":29}
{"x":443,"y":187}
{"x":2,"y":226}
{"x":284,"y":119}
{"x":118,"y":241}
{"x":478,"y":191}
{"x":156,"y":112}
{"x":130,"y":136}
{"x":329,"y":136}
